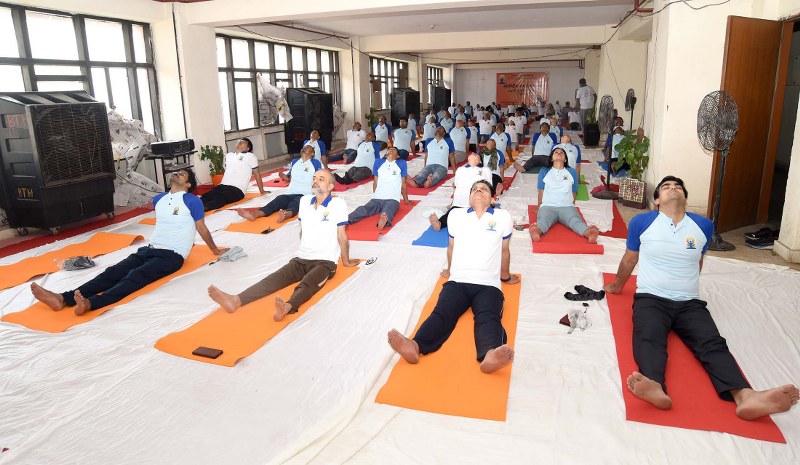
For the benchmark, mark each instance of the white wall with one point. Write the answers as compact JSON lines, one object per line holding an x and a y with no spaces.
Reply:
{"x":479,"y":85}
{"x":623,"y":66}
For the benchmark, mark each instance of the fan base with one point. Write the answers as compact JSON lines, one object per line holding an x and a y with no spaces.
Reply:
{"x":718,"y":244}
{"x":606,"y":195}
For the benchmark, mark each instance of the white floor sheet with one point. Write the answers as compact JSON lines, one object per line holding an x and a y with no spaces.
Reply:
{"x":100,"y":393}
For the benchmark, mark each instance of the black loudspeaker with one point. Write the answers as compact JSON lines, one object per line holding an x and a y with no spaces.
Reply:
{"x":172,"y":147}
{"x":311,"y":109}
{"x":591,"y":135}
{"x":441,"y":98}
{"x":404,"y":101}
{"x":57,"y":164}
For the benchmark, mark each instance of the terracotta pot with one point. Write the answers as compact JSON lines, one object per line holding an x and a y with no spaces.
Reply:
{"x":216,"y":179}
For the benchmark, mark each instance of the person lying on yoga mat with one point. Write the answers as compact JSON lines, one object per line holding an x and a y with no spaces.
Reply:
{"x":478,"y":259}
{"x":669,"y":245}
{"x":323,"y":240}
{"x":463,"y":180}
{"x":558,"y":186}
{"x":179,"y":215}
{"x":367,"y":152}
{"x":239,"y":167}
{"x":439,"y":151}
{"x":388,"y":187}
{"x":299,"y":178}
{"x":543,"y":143}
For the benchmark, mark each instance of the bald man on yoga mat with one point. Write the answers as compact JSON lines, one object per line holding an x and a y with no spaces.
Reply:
{"x":669,"y":245}
{"x":323,"y":240}
{"x":478,"y":259}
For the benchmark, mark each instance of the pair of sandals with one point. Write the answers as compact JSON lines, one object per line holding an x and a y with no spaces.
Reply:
{"x":584,"y":293}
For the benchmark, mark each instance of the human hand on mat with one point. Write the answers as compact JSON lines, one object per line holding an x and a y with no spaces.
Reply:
{"x":283,"y":176}
{"x":220,"y":250}
{"x":407,"y":202}
{"x":445,"y":274}
{"x":512,"y":279}
{"x":613,"y":288}
{"x":351,"y":262}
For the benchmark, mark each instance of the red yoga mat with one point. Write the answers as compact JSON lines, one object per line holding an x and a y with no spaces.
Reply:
{"x":277,"y":182}
{"x":618,"y":227}
{"x":344,"y":187}
{"x":365,"y":229}
{"x":426,"y":191}
{"x":561,"y":239}
{"x":695,"y":403}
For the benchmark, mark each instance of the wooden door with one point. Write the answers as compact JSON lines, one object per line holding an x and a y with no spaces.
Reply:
{"x":749,"y":68}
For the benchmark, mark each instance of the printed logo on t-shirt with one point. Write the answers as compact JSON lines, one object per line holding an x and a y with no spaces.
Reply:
{"x":305,"y":169}
{"x":491,"y":224}
{"x":325,"y":215}
{"x":175,"y":210}
{"x":241,"y":157}
{"x":690,"y":242}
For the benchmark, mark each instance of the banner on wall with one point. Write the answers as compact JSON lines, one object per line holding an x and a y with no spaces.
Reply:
{"x":522,"y":87}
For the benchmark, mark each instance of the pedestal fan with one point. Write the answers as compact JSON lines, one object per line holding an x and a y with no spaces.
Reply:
{"x":605,"y":117}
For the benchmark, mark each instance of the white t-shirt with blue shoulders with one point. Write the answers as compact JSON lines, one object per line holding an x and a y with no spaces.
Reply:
{"x":573,"y":153}
{"x":176,"y":214}
{"x":403,"y":138}
{"x":382,"y":132}
{"x":478,"y":245}
{"x":447,"y":124}
{"x":501,"y":160}
{"x":459,"y":138}
{"x":439,"y":151}
{"x":543,"y":145}
{"x":669,"y":254}
{"x":319,"y":148}
{"x":429,"y":130}
{"x":366,"y":154}
{"x":390,"y":179}
{"x":320,"y":239}
{"x":301,"y":175}
{"x":558,"y":186}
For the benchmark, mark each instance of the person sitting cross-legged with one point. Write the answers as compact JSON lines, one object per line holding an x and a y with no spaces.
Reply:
{"x":389,"y":186}
{"x":355,"y":136}
{"x":239,"y":167}
{"x":558,"y":186}
{"x":288,"y":204}
{"x":478,"y":261}
{"x":669,"y":244}
{"x":439,"y":152}
{"x":366,"y":154}
{"x":323,"y":240}
{"x":543,"y":143}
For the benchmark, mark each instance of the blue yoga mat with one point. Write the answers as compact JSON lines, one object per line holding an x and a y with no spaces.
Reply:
{"x":433,"y":238}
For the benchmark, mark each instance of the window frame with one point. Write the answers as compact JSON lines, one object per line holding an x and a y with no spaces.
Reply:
{"x":435,"y":79}
{"x":388,"y":74}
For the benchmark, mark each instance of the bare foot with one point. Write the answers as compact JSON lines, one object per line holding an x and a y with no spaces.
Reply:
{"x":227,"y":301}
{"x":281,"y":309}
{"x":82,"y":304}
{"x":246,"y":214}
{"x":519,"y":167}
{"x":435,"y":223}
{"x":497,"y":358}
{"x":648,"y":390}
{"x":49,"y":298}
{"x":536,"y":233}
{"x":407,"y":348}
{"x":382,"y":221}
{"x":752,"y":404}
{"x":283,"y":215}
{"x":591,"y":233}
{"x":428,"y":181}
{"x":411,"y":182}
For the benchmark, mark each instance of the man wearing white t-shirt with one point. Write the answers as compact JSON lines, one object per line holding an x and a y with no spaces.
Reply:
{"x":519,"y":121}
{"x":366,"y":154}
{"x":382,"y":130}
{"x":459,"y":135}
{"x":388,"y":188}
{"x":438,"y":152}
{"x":323,"y":240}
{"x":465,"y":177}
{"x":320,"y":150}
{"x":412,"y":122}
{"x":586,"y":97}
{"x":239,"y":167}
{"x":478,"y":261}
{"x":502,"y":140}
{"x":403,"y":138}
{"x":447,"y":122}
{"x":486,"y":127}
{"x":355,"y":136}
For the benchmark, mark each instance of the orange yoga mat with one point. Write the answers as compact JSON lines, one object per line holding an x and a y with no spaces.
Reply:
{"x":100,"y":243}
{"x":366,"y":230}
{"x":561,"y":239}
{"x":247,"y":196}
{"x":695,"y":403}
{"x":41,"y":318}
{"x":259,"y":225}
{"x":243,"y":332}
{"x":449,"y":381}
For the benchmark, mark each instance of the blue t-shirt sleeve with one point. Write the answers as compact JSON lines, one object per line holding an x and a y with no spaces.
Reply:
{"x":389,"y":128}
{"x":377,"y":165}
{"x":553,"y":136}
{"x":574,"y":179}
{"x":706,"y":225}
{"x":374,"y":127}
{"x":540,"y":180}
{"x":637,"y":227}
{"x":376,"y":147}
{"x":508,"y":137}
{"x":195,"y":206}
{"x":579,"y":159}
{"x":427,"y":141}
{"x":451,"y":148}
{"x":502,"y":160}
{"x":158,"y":197}
{"x":403,"y":167}
{"x":535,"y":138}
{"x":322,"y":149}
{"x":316,"y":164}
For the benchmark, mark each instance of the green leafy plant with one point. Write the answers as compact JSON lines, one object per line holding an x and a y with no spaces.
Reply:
{"x":632,"y":150}
{"x":591,"y":116}
{"x":215,"y":157}
{"x":372,"y":118}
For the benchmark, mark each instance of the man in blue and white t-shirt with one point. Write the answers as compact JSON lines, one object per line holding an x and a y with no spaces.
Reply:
{"x":542,"y":143}
{"x":502,"y":140}
{"x":447,"y":122}
{"x":573,"y":153}
{"x":438,"y":152}
{"x":179,"y":215}
{"x":669,"y":245}
{"x":323,"y":240}
{"x":288,"y":204}
{"x":355,"y":136}
{"x":460,"y":137}
{"x":389,"y":187}
{"x":320,"y":151}
{"x":412,"y":122}
{"x":366,"y":154}
{"x":478,"y":261}
{"x":403,"y":140}
{"x":239,"y":167}
{"x":383,"y":131}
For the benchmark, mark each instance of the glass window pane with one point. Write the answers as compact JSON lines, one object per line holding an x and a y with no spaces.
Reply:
{"x":280,"y":57}
{"x":52,"y":86}
{"x":47,"y":70}
{"x":244,"y":105}
{"x":326,"y":61}
{"x":120,"y":91}
{"x":8,"y":40}
{"x":104,"y":39}
{"x":299,"y":80}
{"x":297,"y":59}
{"x":139,"y":49}
{"x":241,"y":53}
{"x":242,"y":75}
{"x":223,"y":92}
{"x":51,"y":36}
{"x":100,"y":87}
{"x":221,"y":54}
{"x":312,"y":59}
{"x":143,"y":77}
{"x":262,"y":55}
{"x":11,"y":79}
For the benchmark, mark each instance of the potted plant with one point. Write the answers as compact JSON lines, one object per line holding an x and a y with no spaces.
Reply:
{"x":372,"y":118}
{"x":591,"y":133}
{"x":216,"y":158}
{"x":632,"y":150}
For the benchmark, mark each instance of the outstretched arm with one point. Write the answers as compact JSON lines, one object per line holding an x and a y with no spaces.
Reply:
{"x":505,"y":264}
{"x":206,"y":235}
{"x":259,"y":181}
{"x":626,"y":265}
{"x":344,"y":245}
{"x":446,"y":272}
